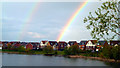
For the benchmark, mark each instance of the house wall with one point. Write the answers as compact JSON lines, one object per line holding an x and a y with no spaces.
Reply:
{"x":43,"y":45}
{"x":90,"y":44}
{"x":30,"y":46}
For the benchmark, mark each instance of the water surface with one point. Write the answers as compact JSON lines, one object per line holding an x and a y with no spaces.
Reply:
{"x":41,"y":60}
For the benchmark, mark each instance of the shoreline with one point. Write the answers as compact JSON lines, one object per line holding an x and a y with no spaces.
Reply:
{"x":69,"y":56}
{"x":94,"y":58}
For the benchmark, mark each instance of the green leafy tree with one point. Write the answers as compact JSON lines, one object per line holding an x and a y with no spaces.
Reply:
{"x":48,"y":49}
{"x":21,"y":49}
{"x":116,"y":53}
{"x":105,"y":21}
{"x":9,"y":46}
{"x":107,"y":53}
{"x":72,"y":50}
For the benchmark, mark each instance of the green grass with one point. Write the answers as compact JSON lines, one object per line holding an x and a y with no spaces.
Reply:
{"x":60,"y":53}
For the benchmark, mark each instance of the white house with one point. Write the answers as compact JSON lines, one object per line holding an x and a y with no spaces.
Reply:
{"x":91,"y":45}
{"x":43,"y":44}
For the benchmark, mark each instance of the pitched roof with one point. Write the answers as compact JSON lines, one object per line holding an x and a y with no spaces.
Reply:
{"x":93,"y":41}
{"x":44,"y":42}
{"x":72,"y":42}
{"x":101,"y":42}
{"x":53,"y":43}
{"x":113,"y":42}
{"x":83,"y":43}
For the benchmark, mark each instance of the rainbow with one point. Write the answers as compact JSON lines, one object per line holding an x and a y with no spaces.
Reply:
{"x":29,"y":18}
{"x":71,"y":20}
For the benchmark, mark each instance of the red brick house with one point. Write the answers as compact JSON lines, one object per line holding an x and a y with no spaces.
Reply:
{"x":29,"y":46}
{"x":16,"y":45}
{"x":62,"y":45}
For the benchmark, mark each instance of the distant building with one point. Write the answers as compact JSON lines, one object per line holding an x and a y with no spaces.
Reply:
{"x":43,"y":44}
{"x":115,"y":43}
{"x":53,"y":44}
{"x":91,"y":45}
{"x":62,"y":45}
{"x":1,"y":45}
{"x":82,"y":45}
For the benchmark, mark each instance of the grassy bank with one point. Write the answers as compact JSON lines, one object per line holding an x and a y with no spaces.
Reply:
{"x":32,"y":52}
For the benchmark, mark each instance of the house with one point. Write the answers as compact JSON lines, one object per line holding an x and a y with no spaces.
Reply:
{"x":16,"y":45}
{"x":1,"y":45}
{"x":54,"y":44}
{"x":29,"y":46}
{"x":115,"y":43}
{"x":91,"y":45}
{"x":70,"y":43}
{"x":4,"y":43}
{"x":62,"y":45}
{"x":101,"y":44}
{"x":23,"y":44}
{"x":82,"y":45}
{"x":43,"y":44}
{"x":36,"y":45}
{"x":14,"y":42}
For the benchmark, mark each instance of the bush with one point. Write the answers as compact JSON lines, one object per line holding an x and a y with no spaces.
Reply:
{"x":48,"y":49}
{"x":73,"y":50}
{"x":116,"y":53}
{"x":107,"y":52}
{"x":21,"y":49}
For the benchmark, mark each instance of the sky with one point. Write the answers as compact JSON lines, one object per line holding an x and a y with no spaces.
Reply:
{"x":36,"y":21}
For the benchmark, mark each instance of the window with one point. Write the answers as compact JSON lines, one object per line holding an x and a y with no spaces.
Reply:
{"x":61,"y":45}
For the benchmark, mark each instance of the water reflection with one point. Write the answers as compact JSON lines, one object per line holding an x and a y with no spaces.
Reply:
{"x":41,"y":60}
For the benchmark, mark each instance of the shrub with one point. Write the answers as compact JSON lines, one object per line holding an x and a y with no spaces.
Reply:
{"x":116,"y":53}
{"x":48,"y":49}
{"x":73,"y":50}
{"x":21,"y":49}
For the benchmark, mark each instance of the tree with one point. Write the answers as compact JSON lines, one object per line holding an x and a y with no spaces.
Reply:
{"x":107,"y":53}
{"x":72,"y":50}
{"x":116,"y":53}
{"x":9,"y":46}
{"x":105,"y":21}
{"x":21,"y":49}
{"x":48,"y":49}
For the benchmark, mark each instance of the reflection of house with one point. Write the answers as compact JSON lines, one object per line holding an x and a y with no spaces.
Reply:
{"x":82,"y":45}
{"x":1,"y":45}
{"x":91,"y":45}
{"x":54,"y":44}
{"x":43,"y":44}
{"x":62,"y":45}
{"x":115,"y":43}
